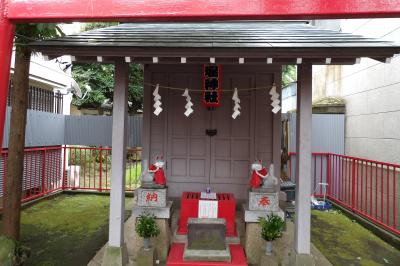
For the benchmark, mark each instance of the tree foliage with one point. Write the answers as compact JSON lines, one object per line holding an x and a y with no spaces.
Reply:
{"x":97,"y":25}
{"x":100,"y":78}
{"x":289,"y":75}
{"x":26,"y":33}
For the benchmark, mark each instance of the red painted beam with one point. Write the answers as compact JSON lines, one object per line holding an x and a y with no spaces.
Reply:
{"x":6,"y":44}
{"x":66,"y":10}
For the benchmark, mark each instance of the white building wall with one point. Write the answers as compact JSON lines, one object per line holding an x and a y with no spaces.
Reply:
{"x":49,"y":75}
{"x":372,"y":93}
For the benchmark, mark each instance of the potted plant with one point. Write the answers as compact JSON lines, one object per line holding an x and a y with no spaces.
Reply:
{"x":147,"y":227}
{"x":271,"y":229}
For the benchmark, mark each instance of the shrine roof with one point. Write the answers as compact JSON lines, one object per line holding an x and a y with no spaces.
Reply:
{"x":281,"y":40}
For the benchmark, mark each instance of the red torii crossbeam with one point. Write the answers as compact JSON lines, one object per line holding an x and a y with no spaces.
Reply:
{"x":56,"y":10}
{"x":14,"y":11}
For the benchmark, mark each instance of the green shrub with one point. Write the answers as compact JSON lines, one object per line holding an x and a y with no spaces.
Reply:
{"x":146,"y":226}
{"x":271,"y":227}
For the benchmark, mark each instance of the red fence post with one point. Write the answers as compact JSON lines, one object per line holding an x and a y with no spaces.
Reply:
{"x":64,"y":170}
{"x":353,"y":176}
{"x":5,"y":155}
{"x":101,"y":168}
{"x":328,"y":175}
{"x":394,"y":198}
{"x":44,"y":172}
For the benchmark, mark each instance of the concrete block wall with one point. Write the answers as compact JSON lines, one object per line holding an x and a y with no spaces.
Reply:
{"x":372,"y":93}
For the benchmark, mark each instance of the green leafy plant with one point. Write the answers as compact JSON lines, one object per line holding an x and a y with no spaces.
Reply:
{"x":100,"y":78}
{"x":146,"y":226}
{"x":271,"y":227}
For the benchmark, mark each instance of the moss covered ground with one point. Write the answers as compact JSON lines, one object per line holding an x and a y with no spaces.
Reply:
{"x":67,"y":229}
{"x":344,"y":242}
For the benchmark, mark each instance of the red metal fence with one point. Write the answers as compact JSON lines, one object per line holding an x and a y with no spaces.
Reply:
{"x":366,"y":187}
{"x":51,"y":169}
{"x":42,"y":172}
{"x":89,"y":168}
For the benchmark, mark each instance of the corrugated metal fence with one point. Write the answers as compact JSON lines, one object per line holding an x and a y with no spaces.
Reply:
{"x":327,"y":132}
{"x":48,"y":129}
{"x":327,"y":137}
{"x":97,"y":130}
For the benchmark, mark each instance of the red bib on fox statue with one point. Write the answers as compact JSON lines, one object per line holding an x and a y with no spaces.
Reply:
{"x":257,"y":175}
{"x":158,"y":171}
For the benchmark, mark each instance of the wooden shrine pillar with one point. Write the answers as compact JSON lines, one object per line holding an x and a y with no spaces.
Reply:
{"x":277,"y":129}
{"x":303,"y":159}
{"x":116,"y":253}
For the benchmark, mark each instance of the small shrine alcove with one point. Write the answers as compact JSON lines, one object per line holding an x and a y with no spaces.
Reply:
{"x":196,"y":159}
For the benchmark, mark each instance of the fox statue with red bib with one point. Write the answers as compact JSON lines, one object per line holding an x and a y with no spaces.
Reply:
{"x":258,"y":174}
{"x":261,"y":180}
{"x":154,"y":176}
{"x":158,"y":172}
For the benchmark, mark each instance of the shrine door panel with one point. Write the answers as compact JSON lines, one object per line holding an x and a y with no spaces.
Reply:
{"x":188,"y":146}
{"x":263,"y":118}
{"x":157,"y":145}
{"x":232,"y":148}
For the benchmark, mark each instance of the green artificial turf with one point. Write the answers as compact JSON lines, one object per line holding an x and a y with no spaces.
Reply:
{"x":345,"y":242}
{"x":67,"y":229}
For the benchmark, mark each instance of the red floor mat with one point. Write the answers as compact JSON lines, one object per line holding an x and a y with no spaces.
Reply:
{"x":175,"y":257}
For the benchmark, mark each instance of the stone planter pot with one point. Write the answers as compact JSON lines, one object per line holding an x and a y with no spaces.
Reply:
{"x":146,"y":243}
{"x":268,"y":248}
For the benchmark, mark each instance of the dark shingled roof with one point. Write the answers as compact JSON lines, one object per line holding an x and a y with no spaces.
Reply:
{"x":276,"y":39}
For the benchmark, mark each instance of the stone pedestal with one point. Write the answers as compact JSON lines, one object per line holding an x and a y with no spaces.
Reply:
{"x":269,"y":260}
{"x":253,"y":216}
{"x":263,"y":201}
{"x":206,"y":240}
{"x":301,"y":259}
{"x":115,"y":256}
{"x":254,"y":244}
{"x":152,"y":197}
{"x":162,"y":242}
{"x":146,"y":257}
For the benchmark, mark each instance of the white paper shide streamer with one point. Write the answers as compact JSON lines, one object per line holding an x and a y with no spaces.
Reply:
{"x":157,"y":101}
{"x":236,"y":107}
{"x":189,"y":103}
{"x":275,"y":100}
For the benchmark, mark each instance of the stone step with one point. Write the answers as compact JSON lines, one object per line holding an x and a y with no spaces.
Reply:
{"x":177,"y":238}
{"x":175,"y":257}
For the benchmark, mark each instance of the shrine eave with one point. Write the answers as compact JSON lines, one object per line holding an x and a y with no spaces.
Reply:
{"x":260,"y":42}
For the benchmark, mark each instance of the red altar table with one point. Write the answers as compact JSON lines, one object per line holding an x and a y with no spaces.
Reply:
{"x":190,"y":209}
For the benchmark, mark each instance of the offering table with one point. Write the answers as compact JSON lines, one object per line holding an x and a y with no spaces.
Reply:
{"x":190,"y":209}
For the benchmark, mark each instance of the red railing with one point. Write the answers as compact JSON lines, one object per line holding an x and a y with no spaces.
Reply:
{"x":89,"y":168}
{"x":366,"y":187}
{"x":42,"y":172}
{"x":51,"y":169}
